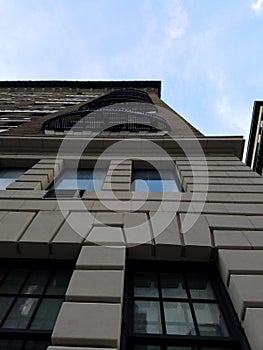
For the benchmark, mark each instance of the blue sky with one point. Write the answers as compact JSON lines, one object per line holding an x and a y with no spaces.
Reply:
{"x":208,"y":53}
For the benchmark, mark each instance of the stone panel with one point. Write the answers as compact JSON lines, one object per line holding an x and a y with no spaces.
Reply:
{"x":12,"y":226}
{"x":101,"y":258}
{"x":35,"y":241}
{"x":196,"y":236}
{"x":253,"y":327}
{"x":88,"y":324}
{"x":96,"y":286}
{"x":239,"y":262}
{"x":242,"y":293}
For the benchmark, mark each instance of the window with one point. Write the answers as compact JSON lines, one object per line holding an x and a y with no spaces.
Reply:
{"x":153,"y":181}
{"x":30,"y":299}
{"x":178,"y":306}
{"x":81,"y":180}
{"x":9,"y":175}
{"x":72,"y":183}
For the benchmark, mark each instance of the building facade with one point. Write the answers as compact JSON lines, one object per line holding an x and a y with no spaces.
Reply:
{"x":122,"y":226}
{"x":254,"y":156}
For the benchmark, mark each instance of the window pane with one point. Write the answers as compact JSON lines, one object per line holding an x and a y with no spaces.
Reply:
{"x":147,"y":317}
{"x":200,"y":287}
{"x":36,"y":282}
{"x":5,"y":303}
{"x":13,"y":281}
{"x":20,"y":314}
{"x":10,"y":344}
{"x":46,"y":314}
{"x":146,"y":347}
{"x":210,"y":320}
{"x":36,"y":345}
{"x":81,"y":179}
{"x":145,"y":285}
{"x":153,"y":181}
{"x":178,"y":318}
{"x":58,"y":283}
{"x":172,"y":285}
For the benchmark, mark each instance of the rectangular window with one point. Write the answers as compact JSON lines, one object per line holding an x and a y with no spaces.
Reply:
{"x":82,"y":179}
{"x":30,"y":299}
{"x":154,"y":181}
{"x":178,"y":306}
{"x":72,"y":183}
{"x":9,"y":175}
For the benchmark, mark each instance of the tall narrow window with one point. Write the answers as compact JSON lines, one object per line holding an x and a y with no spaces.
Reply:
{"x":154,"y":181}
{"x":9,"y":175}
{"x":178,"y":307}
{"x":30,"y":299}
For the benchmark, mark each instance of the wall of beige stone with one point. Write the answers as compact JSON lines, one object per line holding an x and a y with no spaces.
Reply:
{"x":223,"y":197}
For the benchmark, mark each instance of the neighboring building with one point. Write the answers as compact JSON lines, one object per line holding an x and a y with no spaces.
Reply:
{"x":254,"y":157}
{"x":121,"y":225}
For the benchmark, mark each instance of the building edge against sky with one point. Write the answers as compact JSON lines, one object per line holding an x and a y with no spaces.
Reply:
{"x":254,"y":156}
{"x":123,"y":268}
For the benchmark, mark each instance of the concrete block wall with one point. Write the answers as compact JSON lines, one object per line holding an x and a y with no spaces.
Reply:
{"x":223,"y":199}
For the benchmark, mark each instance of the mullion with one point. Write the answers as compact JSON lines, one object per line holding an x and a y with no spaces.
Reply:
{"x":40,"y":298}
{"x":197,"y":341}
{"x":191,"y":304}
{"x":163,"y":321}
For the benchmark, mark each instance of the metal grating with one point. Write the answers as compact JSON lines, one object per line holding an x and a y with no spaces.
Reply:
{"x":122,"y":110}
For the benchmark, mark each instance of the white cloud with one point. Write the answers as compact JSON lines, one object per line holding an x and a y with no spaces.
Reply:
{"x":177,"y":21}
{"x":257,"y":7}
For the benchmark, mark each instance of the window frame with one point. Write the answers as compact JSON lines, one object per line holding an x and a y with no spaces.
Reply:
{"x":236,"y":339}
{"x":155,"y":171}
{"x":27,"y":334}
{"x":72,"y":193}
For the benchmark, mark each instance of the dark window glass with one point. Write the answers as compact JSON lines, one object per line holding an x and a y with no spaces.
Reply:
{"x":46,"y":314}
{"x":36,"y":282}
{"x":13,"y":282}
{"x":173,"y":306}
{"x":58,"y":283}
{"x":153,"y":181}
{"x":9,"y":175}
{"x":21,"y":313}
{"x":30,"y":300}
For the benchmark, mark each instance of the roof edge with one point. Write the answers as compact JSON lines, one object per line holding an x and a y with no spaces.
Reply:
{"x":156,"y":84}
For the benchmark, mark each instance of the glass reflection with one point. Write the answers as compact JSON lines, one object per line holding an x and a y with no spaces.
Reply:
{"x":36,"y":282}
{"x":145,"y":285}
{"x":200,"y":286}
{"x":172,"y":285}
{"x":58,"y":283}
{"x":82,"y":179}
{"x":21,"y":313}
{"x":210,"y":320}
{"x":147,"y":317}
{"x":178,"y":318}
{"x":153,"y":181}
